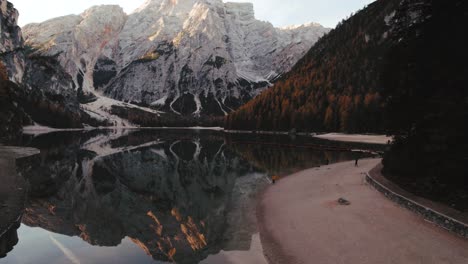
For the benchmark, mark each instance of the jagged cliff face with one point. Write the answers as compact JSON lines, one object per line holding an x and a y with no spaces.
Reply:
{"x":34,"y":87}
{"x":11,"y":41}
{"x":78,"y":41}
{"x":189,"y":57}
{"x":12,"y":64}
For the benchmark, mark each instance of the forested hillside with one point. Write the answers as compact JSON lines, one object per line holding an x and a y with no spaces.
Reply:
{"x":426,"y":79}
{"x":396,"y":67}
{"x":337,"y":86}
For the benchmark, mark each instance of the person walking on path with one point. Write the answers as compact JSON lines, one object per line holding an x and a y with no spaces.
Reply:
{"x":274,"y":179}
{"x":356,"y":163}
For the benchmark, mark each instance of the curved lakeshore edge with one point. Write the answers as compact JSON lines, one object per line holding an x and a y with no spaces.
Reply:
{"x":272,"y":249}
{"x":301,"y":221}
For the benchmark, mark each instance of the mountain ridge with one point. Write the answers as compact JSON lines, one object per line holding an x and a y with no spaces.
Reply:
{"x":216,"y":55}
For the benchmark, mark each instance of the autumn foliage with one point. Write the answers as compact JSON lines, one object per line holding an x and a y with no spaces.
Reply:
{"x":335,"y":87}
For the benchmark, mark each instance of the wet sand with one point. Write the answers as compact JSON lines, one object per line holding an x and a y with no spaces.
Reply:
{"x":301,"y":221}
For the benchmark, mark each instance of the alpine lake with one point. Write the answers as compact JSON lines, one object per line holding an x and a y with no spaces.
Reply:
{"x":154,"y":195}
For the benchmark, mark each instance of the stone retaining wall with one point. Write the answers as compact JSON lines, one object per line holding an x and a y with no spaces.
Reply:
{"x":429,"y":214}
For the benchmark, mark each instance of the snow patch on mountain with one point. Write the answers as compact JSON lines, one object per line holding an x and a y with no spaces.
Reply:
{"x":101,"y":109}
{"x":192,"y":57}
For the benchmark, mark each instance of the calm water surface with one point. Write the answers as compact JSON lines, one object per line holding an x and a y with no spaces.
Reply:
{"x":152,"y":196}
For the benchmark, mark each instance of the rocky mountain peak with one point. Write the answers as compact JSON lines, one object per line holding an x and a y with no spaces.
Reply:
{"x":9,"y":13}
{"x":166,"y":6}
{"x":185,"y":57}
{"x":103,"y":10}
{"x":241,"y":10}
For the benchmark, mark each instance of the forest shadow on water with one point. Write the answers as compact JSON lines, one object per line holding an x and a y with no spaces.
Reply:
{"x":145,"y":196}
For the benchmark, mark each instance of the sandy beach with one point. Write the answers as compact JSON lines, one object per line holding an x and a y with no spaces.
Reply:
{"x":371,"y":139}
{"x":301,"y":221}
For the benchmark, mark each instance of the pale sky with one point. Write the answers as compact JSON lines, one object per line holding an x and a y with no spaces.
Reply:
{"x":278,"y":12}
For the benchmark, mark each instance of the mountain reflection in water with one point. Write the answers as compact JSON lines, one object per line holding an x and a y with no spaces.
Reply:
{"x":178,"y":195}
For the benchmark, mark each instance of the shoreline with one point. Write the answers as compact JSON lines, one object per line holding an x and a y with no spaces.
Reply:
{"x":41,"y":130}
{"x":356,"y":138}
{"x":37,"y":130}
{"x":338,"y":137}
{"x":300,"y":220}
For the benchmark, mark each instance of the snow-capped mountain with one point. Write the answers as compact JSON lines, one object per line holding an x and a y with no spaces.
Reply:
{"x":189,"y":57}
